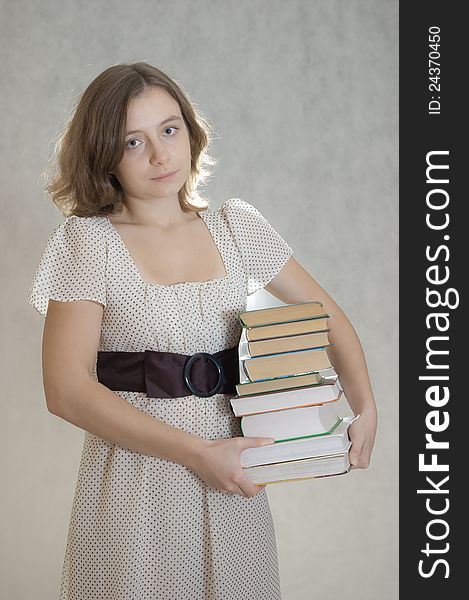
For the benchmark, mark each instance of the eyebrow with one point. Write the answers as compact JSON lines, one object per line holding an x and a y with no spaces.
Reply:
{"x":172,"y":118}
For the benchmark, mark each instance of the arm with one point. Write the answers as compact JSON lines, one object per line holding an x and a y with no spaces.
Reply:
{"x":294,"y":284}
{"x":70,"y":343}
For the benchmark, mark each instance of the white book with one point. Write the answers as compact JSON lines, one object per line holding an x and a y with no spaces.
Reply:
{"x":286,"y":399}
{"x":308,"y":468}
{"x":292,"y":423}
{"x":336,"y":442}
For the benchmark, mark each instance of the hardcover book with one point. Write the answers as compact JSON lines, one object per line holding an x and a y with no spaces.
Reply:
{"x":294,"y":423}
{"x":336,"y":442}
{"x":289,"y":343}
{"x":285,"y":399}
{"x":281,"y":314}
{"x":305,"y":468}
{"x":279,"y":330}
{"x":247,"y":387}
{"x":300,"y":362}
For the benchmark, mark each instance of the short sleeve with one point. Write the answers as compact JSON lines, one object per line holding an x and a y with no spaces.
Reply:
{"x":73,"y":265}
{"x":263,"y":251}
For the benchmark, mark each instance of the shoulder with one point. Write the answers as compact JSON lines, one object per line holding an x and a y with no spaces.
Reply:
{"x":232,"y":211}
{"x":74,"y":226}
{"x":74,"y":223}
{"x":242,"y":215}
{"x":235,"y":206}
{"x":230,"y":207}
{"x":80,"y":232}
{"x":237,"y":212}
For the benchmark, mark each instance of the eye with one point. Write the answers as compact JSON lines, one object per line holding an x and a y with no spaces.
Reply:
{"x":133,"y":143}
{"x":168,"y":128}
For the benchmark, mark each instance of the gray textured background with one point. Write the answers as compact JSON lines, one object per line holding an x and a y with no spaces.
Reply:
{"x":303,"y":97}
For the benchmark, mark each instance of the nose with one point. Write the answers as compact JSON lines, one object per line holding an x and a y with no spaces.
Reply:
{"x":158,"y":153}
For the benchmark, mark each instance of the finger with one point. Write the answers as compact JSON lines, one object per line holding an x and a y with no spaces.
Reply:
{"x":363,"y":460}
{"x":354,"y":459}
{"x":249,"y":489}
{"x":258,"y":441}
{"x":241,"y":492}
{"x":354,"y":454}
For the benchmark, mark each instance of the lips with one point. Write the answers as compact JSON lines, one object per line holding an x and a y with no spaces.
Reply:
{"x":165,"y":175}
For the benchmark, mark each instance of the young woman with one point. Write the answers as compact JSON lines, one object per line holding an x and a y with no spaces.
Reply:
{"x":140,"y":276}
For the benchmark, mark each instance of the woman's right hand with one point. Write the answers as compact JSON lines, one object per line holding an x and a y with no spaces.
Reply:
{"x":218,"y":463}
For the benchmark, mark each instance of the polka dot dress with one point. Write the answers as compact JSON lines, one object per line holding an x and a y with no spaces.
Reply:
{"x":143,"y":528}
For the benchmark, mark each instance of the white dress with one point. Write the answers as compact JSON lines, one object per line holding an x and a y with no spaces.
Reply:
{"x":144,"y":528}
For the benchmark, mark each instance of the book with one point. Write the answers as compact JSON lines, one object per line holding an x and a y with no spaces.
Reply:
{"x":336,"y":442}
{"x":291,"y":424}
{"x":286,"y":399}
{"x":246,"y":387}
{"x":304,"y":468}
{"x":285,"y":364}
{"x":281,"y":314}
{"x":248,"y":349}
{"x":278,"y":330}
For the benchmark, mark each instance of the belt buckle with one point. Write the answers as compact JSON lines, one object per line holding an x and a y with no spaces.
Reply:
{"x":187,"y":373}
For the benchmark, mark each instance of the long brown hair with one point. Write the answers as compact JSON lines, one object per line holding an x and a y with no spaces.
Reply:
{"x":93,"y":143}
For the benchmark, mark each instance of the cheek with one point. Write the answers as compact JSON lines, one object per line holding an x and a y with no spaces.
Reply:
{"x":127,"y":168}
{"x":186,"y":144}
{"x":187,"y":151}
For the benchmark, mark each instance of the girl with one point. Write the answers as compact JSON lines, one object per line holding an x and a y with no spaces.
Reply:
{"x":140,"y":276}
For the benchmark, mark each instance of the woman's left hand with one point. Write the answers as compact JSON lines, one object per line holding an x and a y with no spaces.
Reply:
{"x":362,"y":434}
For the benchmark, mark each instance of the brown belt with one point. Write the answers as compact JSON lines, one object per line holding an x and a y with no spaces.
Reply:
{"x":170,"y":375}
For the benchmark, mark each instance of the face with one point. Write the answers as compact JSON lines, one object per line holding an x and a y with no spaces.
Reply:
{"x":156,"y":143}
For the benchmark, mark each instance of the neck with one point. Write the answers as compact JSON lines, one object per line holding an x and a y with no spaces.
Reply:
{"x":163,"y":213}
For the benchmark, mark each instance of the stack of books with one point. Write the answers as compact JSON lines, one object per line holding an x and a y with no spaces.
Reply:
{"x":288,"y":391}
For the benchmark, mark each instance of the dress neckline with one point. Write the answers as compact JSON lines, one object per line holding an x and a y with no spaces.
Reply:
{"x":202,"y":215}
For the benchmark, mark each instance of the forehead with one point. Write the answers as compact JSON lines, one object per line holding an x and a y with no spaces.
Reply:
{"x":151,"y":107}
